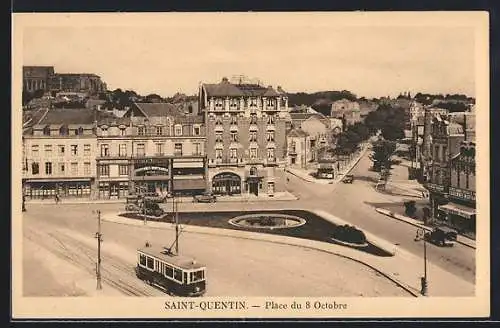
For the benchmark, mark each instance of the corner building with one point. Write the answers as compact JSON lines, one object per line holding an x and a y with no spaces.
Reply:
{"x":246,"y":137}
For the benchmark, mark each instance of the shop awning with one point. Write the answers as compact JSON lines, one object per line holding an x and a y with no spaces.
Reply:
{"x":58,"y":180}
{"x":192,"y":184}
{"x":457,"y":209}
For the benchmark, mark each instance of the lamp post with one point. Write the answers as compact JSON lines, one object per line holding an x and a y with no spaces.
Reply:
{"x":423,"y":280}
{"x":98,"y":236}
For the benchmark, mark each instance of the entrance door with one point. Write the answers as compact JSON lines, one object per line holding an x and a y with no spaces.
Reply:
{"x":254,"y":188}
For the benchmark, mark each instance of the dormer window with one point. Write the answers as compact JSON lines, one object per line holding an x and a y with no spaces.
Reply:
{"x":218,"y":121}
{"x":159,"y":130}
{"x":218,"y":103}
{"x":140,"y":130}
{"x":270,"y":102}
{"x":46,"y":131}
{"x":79,"y":131}
{"x":63,"y":131}
{"x":196,"y":130}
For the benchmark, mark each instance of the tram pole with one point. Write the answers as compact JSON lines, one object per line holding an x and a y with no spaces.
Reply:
{"x":99,"y":240}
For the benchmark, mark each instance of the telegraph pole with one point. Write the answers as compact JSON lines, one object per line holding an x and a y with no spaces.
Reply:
{"x":98,"y":235}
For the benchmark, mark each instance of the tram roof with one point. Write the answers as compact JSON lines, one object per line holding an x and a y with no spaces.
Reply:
{"x":180,"y":261}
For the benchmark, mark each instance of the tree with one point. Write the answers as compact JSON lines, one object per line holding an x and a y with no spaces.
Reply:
{"x":382,"y":156}
{"x":410,"y":208}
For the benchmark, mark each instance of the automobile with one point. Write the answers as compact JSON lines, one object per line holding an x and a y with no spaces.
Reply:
{"x":348,"y":178}
{"x":156,"y":197}
{"x":132,"y":207}
{"x":206,"y":197}
{"x":442,"y":236}
{"x":152,"y":208}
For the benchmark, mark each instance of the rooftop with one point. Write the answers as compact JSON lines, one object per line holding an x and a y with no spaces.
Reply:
{"x":157,"y":109}
{"x":226,"y":88}
{"x":296,"y":133}
{"x":81,"y":116}
{"x":180,"y":261}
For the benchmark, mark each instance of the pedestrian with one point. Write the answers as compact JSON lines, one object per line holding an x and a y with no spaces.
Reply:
{"x":57,"y":198}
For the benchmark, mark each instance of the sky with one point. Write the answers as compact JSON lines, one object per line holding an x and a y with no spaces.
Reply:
{"x":175,"y":52}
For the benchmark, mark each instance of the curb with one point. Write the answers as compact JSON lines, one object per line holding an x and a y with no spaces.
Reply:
{"x":404,"y":219}
{"x":255,"y":236}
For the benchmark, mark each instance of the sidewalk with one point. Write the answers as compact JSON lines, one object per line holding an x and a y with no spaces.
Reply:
{"x":460,"y":239}
{"x":306,"y":174}
{"x":278,"y":196}
{"x":403,"y":268}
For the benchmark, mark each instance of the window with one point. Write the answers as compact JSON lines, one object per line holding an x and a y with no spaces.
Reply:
{"x":142,"y":259}
{"x":104,"y":170}
{"x":270,"y":119}
{"x":196,"y":149}
{"x":104,"y":150}
{"x":86,"y":150}
{"x":218,"y":136}
{"x":218,"y":120}
{"x":35,"y":168}
{"x":86,"y":168}
{"x":159,"y":130}
{"x":74,"y":168}
{"x":445,"y":157}
{"x":48,"y":150}
{"x":436,"y":153}
{"x":270,"y":136}
{"x":61,"y":168}
{"x":178,"y":275}
{"x":253,"y":153}
{"x":178,"y":130}
{"x":253,"y":118}
{"x":159,"y":149}
{"x":150,"y":263}
{"x":61,"y":150}
{"x":169,"y":271}
{"x":253,"y":102}
{"x":234,"y":120}
{"x":122,"y":150}
{"x":34,"y":150}
{"x":270,"y":153}
{"x":218,"y":153}
{"x":270,"y":102}
{"x":233,"y":103}
{"x":196,"y":130}
{"x":233,"y":153}
{"x":63,"y":131}
{"x":123,"y":169}
{"x":140,"y":130}
{"x":74,"y":150}
{"x":46,"y":131}
{"x":79,"y":131}
{"x":141,"y":150}
{"x":234,"y":136}
{"x":218,"y":102}
{"x":253,"y":136}
{"x":122,"y":131}
{"x":48,"y":168}
{"x":178,"y":149}
{"x":104,"y":130}
{"x":253,"y":171}
{"x":293,"y":146}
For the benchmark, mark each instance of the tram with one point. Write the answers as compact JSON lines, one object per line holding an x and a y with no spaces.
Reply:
{"x":177,"y":275}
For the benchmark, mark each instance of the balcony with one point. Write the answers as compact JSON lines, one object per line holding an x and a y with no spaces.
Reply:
{"x":462,"y":194}
{"x":270,"y":127}
{"x":226,"y":161}
{"x":436,"y":188}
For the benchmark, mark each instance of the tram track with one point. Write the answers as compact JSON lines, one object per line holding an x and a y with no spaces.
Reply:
{"x":114,"y":272}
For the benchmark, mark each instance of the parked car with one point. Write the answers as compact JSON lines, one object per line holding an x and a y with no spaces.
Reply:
{"x":348,"y":178}
{"x":205,"y":198}
{"x":442,"y":236}
{"x":156,"y":197}
{"x":132,"y":207}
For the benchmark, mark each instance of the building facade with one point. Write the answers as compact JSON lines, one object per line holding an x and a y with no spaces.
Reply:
{"x":153,"y":148}
{"x":246,"y":146}
{"x":77,"y":82}
{"x":298,"y":146}
{"x":348,"y":111}
{"x":37,"y":77}
{"x":60,"y":154}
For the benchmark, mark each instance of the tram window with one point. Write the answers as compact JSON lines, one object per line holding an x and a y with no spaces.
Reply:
{"x":150,"y":263}
{"x":185,"y":277}
{"x":177,"y":274}
{"x":142,"y":259}
{"x":169,"y":272}
{"x":197,"y":275}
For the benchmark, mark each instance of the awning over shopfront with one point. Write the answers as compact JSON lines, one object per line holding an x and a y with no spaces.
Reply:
{"x":58,"y":181}
{"x":457,"y":209}
{"x":191,"y":184}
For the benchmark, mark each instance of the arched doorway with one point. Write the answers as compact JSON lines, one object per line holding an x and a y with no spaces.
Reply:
{"x":226,"y":183}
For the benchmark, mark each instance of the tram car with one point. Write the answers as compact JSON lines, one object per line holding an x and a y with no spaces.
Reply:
{"x":177,"y":275}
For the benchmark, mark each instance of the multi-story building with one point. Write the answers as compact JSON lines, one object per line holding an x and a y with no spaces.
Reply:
{"x":347,"y":110}
{"x":298,"y":146}
{"x":317,"y":127}
{"x":60,"y":154}
{"x":426,"y":148}
{"x":460,"y":211}
{"x":37,"y":77}
{"x":153,"y":147}
{"x":246,"y":146}
{"x":447,"y":137}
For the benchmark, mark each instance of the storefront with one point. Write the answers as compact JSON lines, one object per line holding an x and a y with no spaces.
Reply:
{"x":113,"y":189}
{"x":187,"y":187}
{"x":460,"y":216}
{"x":226,"y":183}
{"x":152,"y":175}
{"x":65,"y":189}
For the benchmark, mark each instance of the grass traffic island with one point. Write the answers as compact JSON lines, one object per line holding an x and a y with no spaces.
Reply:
{"x":314,"y":228}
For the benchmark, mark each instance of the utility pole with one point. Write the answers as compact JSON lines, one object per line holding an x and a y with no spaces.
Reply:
{"x":176,"y":228}
{"x":98,"y":235}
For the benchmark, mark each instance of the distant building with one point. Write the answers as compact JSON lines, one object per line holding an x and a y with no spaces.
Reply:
{"x":347,"y":110}
{"x":298,"y":148}
{"x":246,"y":146}
{"x":77,"y":82}
{"x":37,"y":77}
{"x":317,"y":127}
